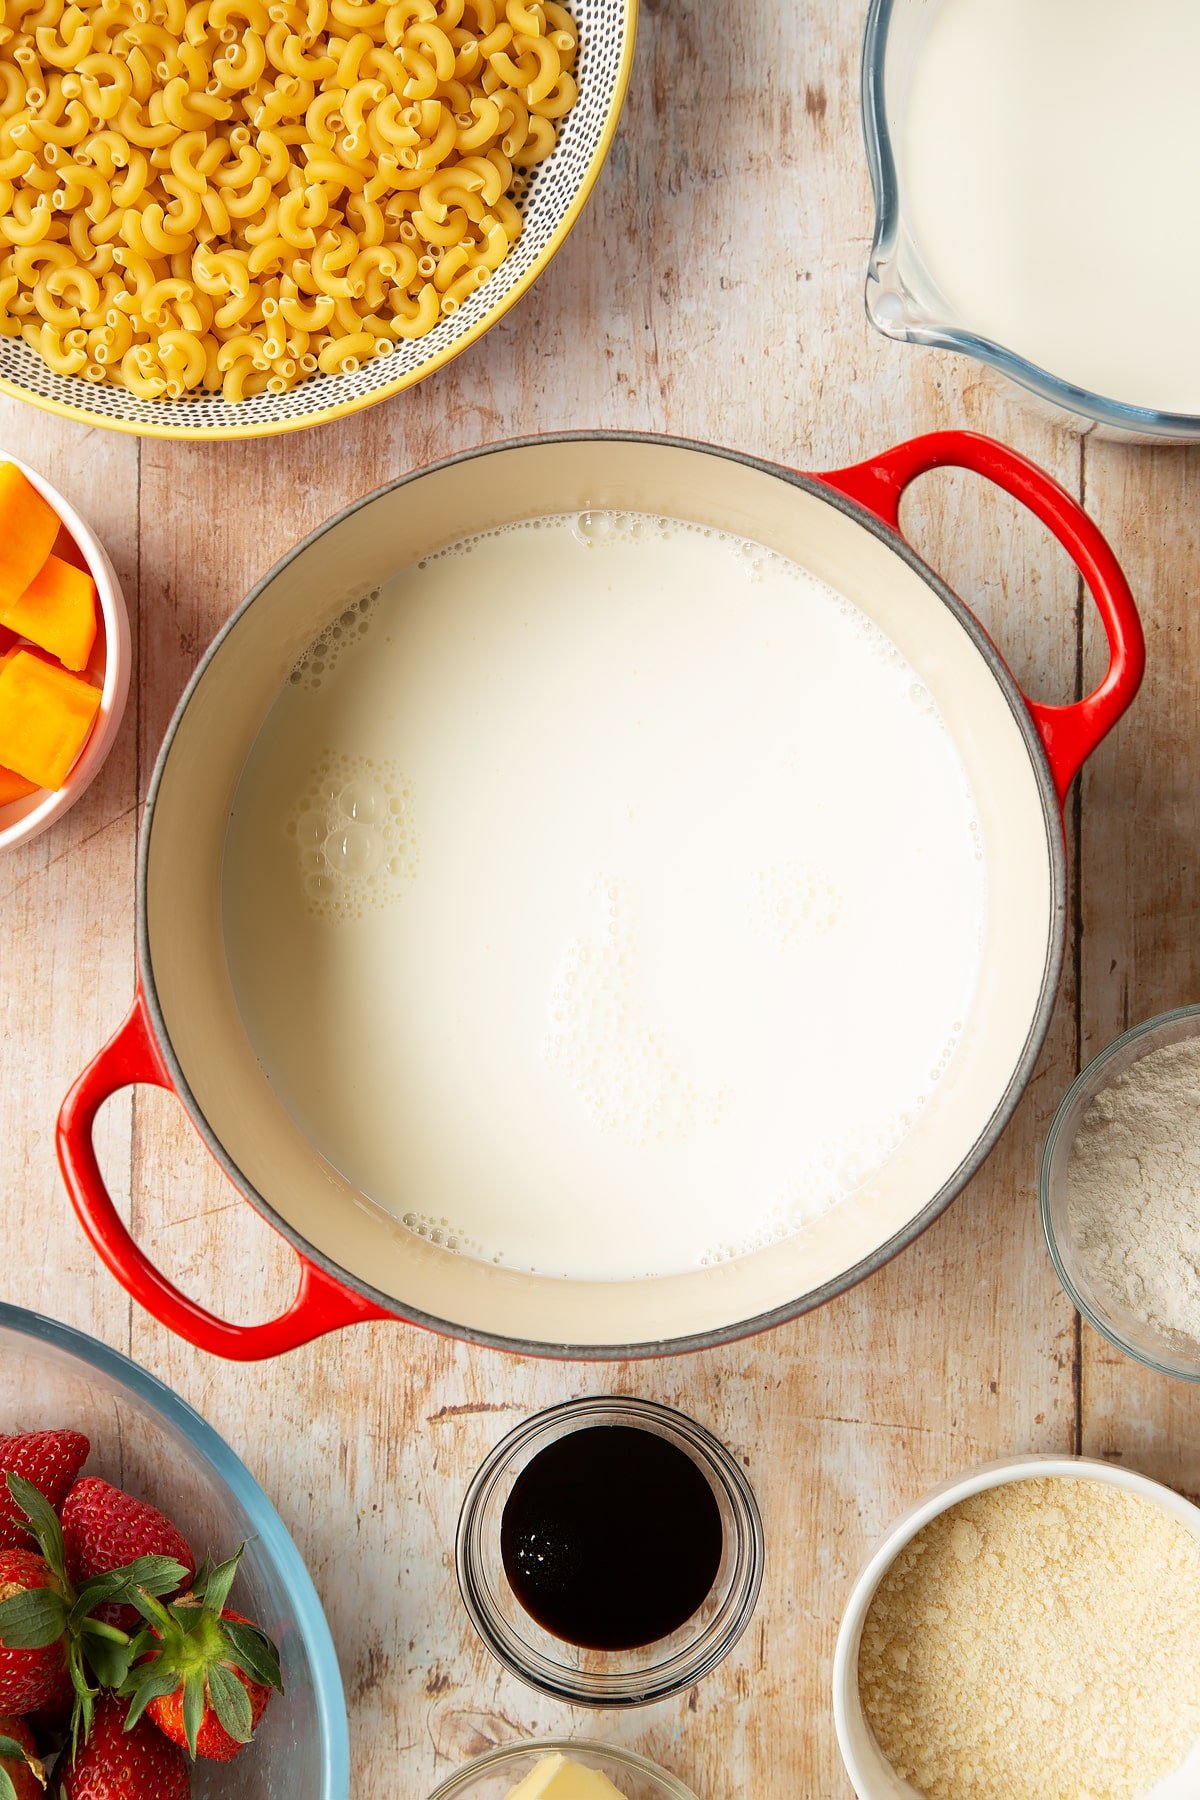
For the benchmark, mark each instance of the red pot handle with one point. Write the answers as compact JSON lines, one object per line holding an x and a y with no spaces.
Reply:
{"x":1069,"y":733}
{"x":321,"y":1303}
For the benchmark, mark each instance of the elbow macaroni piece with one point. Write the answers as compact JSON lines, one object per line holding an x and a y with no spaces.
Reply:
{"x":233,"y":195}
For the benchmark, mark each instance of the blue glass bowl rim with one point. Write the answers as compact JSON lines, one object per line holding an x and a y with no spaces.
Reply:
{"x":276,"y":1540}
{"x":885,"y":183}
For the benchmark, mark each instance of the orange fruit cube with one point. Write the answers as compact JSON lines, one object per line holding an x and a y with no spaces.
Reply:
{"x":46,"y":713}
{"x":28,"y":528}
{"x":56,"y":611}
{"x":14,"y":786}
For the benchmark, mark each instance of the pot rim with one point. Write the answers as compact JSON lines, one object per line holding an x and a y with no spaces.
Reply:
{"x":1006,"y":1102}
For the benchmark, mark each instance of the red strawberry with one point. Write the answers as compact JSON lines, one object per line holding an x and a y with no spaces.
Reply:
{"x":50,"y":1460}
{"x":209,"y":1675}
{"x":48,"y":1628}
{"x":212,"y":1739}
{"x":118,"y":1765}
{"x":29,"y":1678}
{"x":27,"y":1777}
{"x":104,"y":1529}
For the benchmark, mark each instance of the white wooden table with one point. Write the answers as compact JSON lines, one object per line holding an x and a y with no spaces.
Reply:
{"x":713,"y":289}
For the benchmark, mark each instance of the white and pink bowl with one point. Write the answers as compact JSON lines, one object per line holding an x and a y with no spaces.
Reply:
{"x":110,"y":664}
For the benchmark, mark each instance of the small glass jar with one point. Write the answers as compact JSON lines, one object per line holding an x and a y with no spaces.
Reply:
{"x":608,"y":1677}
{"x":1119,"y":1325}
{"x":494,"y":1776}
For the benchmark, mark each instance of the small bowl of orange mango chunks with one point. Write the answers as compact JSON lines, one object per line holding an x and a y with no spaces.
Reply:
{"x":64,"y":654}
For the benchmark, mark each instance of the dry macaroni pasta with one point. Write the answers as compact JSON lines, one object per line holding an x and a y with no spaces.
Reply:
{"x":233,"y":194}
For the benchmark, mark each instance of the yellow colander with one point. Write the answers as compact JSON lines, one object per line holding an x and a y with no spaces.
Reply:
{"x":550,"y":199}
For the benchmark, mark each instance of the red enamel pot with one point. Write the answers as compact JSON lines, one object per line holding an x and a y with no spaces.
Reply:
{"x":184,"y":1032}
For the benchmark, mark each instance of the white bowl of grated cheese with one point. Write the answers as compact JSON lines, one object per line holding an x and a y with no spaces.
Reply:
{"x":1120,"y":1193}
{"x":1042,"y":1641}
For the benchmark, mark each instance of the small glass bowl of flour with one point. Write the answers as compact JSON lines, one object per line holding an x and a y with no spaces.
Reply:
{"x":1120,"y":1193}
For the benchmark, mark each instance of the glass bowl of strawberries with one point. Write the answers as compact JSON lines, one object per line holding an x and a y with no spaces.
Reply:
{"x":149,"y":1595}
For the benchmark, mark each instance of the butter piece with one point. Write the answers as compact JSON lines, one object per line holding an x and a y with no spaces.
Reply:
{"x":556,"y":1778}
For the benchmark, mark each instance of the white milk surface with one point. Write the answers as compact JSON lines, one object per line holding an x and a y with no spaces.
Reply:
{"x":1048,"y":161}
{"x":605,"y":898}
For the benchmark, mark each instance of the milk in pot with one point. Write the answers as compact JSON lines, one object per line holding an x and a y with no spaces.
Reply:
{"x":604,"y":897}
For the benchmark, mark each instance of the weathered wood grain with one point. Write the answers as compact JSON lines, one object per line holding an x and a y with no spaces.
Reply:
{"x":713,"y":288}
{"x":1140,"y":953}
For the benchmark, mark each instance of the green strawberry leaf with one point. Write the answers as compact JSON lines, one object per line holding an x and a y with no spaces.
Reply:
{"x":150,"y":1608}
{"x":156,"y":1574}
{"x":216,"y":1588}
{"x":110,"y":1662}
{"x":32,"y":1620}
{"x":100,"y":1628}
{"x":143,"y":1688}
{"x":252,"y":1651}
{"x":153,"y":1574}
{"x":231,"y":1703}
{"x":7,"y":1790}
{"x":98,"y":1591}
{"x":187,"y":1617}
{"x":84,"y":1705}
{"x":43,"y":1523}
{"x":193,"y":1709}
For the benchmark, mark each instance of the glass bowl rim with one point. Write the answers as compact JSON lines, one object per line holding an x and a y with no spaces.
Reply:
{"x":881,"y":161}
{"x":633,"y":1760}
{"x":1135,"y":1033}
{"x":231,"y":1471}
{"x":749,"y":1564}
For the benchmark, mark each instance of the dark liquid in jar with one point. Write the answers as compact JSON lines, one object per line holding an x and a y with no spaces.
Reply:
{"x":611,"y":1538}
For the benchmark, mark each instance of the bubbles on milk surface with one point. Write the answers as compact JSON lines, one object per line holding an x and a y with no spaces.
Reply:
{"x":826,"y":1175}
{"x":616,"y":1056}
{"x":880,"y":644}
{"x":350,"y":626}
{"x":440,"y":1232}
{"x":354,"y":836}
{"x":793,"y":905}
{"x":599,"y":527}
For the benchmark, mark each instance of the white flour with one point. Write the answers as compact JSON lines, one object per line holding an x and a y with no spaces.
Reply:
{"x":1134,"y":1191}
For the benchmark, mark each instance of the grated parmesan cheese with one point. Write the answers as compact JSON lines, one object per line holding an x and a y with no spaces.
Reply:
{"x":1039,"y":1641}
